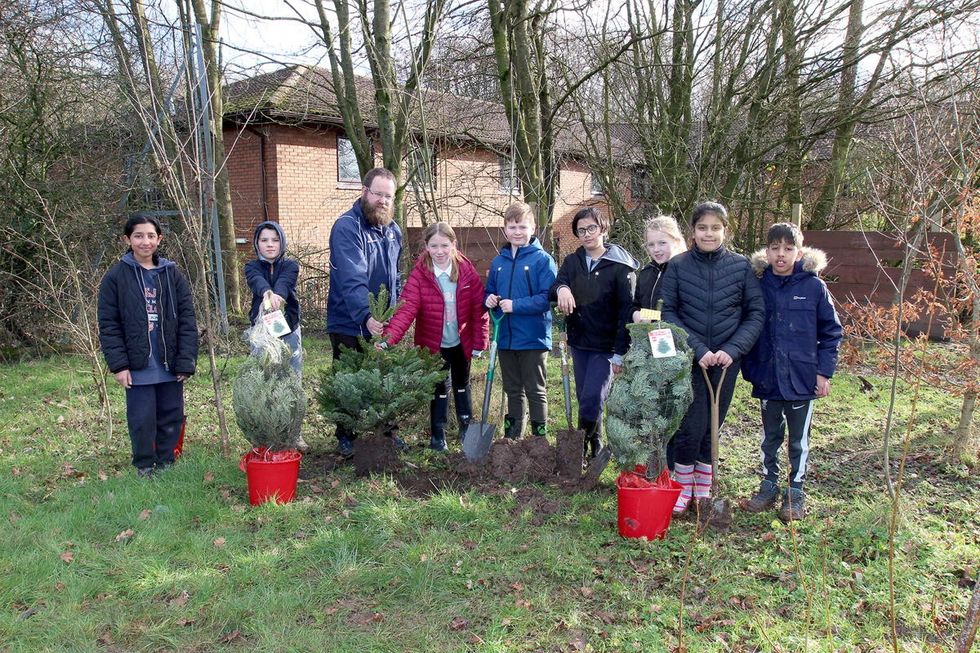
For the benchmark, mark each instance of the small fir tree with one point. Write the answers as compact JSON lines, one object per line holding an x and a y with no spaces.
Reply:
{"x":371,"y":390}
{"x":267,"y":394}
{"x":649,"y":399}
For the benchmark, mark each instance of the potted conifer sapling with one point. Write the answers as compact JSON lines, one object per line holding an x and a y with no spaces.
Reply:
{"x":647,"y":403}
{"x":269,"y":407}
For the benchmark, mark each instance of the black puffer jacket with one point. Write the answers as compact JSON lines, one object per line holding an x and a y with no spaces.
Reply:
{"x":715,"y":297}
{"x":649,"y":284}
{"x":603,"y":299}
{"x":123,"y":326}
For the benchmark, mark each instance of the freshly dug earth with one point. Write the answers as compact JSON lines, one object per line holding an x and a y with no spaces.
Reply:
{"x":375,"y":454}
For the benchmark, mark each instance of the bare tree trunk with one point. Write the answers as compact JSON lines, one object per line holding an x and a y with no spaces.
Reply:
{"x":964,"y":643}
{"x":222,"y":188}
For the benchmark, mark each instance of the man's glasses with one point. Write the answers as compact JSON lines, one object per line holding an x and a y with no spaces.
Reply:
{"x":380,"y":196}
{"x":588,"y":231}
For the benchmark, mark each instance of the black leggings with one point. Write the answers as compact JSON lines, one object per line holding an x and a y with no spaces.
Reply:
{"x":459,"y":379}
{"x":692,"y":443}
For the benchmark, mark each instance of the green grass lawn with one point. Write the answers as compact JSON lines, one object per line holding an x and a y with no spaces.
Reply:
{"x":94,"y":559}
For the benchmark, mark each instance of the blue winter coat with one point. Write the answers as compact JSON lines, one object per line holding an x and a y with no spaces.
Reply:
{"x":715,"y":297}
{"x":362,"y":259}
{"x":525,"y":279}
{"x":801,"y":334}
{"x":278,"y":275}
{"x":124,"y":326}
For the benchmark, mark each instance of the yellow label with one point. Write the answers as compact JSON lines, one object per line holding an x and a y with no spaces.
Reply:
{"x":649,"y":314}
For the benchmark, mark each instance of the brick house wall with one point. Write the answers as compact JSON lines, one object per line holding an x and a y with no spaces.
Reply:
{"x":302,"y":191}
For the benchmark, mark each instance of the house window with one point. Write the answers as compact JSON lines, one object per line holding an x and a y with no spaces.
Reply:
{"x":347,"y":170}
{"x":597,"y":185}
{"x":506,"y":176}
{"x":422,"y":166}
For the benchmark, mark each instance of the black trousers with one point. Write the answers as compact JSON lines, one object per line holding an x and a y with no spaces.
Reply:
{"x":692,"y":443}
{"x":350,"y":342}
{"x":458,"y":380}
{"x":154,"y":414}
{"x":777,"y":416}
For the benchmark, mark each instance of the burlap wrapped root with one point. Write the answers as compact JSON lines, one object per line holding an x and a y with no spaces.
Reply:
{"x":649,"y":400}
{"x":267,"y":393}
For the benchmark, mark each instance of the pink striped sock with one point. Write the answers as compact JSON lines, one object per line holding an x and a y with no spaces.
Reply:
{"x":684,"y":474}
{"x":702,"y":480}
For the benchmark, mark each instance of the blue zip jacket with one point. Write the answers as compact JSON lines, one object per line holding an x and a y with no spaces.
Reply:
{"x":362,"y":259}
{"x":525,"y":279}
{"x":801,"y":334}
{"x":278,"y":275}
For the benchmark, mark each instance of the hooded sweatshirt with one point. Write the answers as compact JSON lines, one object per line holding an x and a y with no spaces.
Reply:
{"x":278,"y":275}
{"x":146,"y":321}
{"x":603,"y":292}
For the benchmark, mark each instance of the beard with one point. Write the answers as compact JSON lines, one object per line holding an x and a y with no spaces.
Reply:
{"x":378,"y":215}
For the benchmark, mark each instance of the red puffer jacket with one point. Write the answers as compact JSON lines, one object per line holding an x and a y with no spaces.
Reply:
{"x":422,"y":303}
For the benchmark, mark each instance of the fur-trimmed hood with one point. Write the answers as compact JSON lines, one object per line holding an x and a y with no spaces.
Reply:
{"x":814,"y":261}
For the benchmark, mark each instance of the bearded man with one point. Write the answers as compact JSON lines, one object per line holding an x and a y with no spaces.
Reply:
{"x":365,"y":244}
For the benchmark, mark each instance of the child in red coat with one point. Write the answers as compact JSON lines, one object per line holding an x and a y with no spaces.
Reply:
{"x":444,"y":297}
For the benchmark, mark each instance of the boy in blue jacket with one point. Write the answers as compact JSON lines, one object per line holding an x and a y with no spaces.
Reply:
{"x":792,"y":362}
{"x":518,"y":283}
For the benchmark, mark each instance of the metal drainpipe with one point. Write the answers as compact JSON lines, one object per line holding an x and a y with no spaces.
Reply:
{"x":263,"y":138}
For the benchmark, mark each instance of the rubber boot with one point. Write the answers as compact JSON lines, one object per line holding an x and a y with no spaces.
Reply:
{"x":437,"y":442}
{"x":464,"y":422}
{"x":539,"y":429}
{"x":591,"y":437}
{"x":510,"y":428}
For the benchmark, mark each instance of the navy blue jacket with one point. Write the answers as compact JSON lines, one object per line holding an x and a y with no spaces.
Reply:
{"x":278,"y":275}
{"x":124,"y":327}
{"x":801,"y":334}
{"x":603,"y":299}
{"x":525,"y":279}
{"x":362,"y":259}
{"x":715,"y":297}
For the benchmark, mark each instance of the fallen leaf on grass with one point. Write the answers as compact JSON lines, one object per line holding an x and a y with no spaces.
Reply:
{"x":605,"y":617}
{"x":335,"y":482}
{"x":15,"y":471}
{"x":103,"y":476}
{"x":365,"y":618}
{"x":185,"y":622}
{"x":517,"y":587}
{"x":524,"y":603}
{"x":59,"y":586}
{"x":586,"y":591}
{"x":125,"y":535}
{"x":67,"y":557}
{"x":145,"y":514}
{"x":469,"y":545}
{"x":180,"y":600}
{"x":458,"y":623}
{"x":13,"y":517}
{"x":768,"y":536}
{"x":218,"y":542}
{"x":234,"y":635}
{"x":27,"y":614}
{"x":331,"y":610}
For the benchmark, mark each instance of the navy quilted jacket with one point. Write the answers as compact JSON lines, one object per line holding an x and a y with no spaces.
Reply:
{"x":715,"y":297}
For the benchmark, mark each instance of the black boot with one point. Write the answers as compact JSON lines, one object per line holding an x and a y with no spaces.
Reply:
{"x":510,"y":428}
{"x":464,"y":422}
{"x":591,"y":437}
{"x":539,"y":429}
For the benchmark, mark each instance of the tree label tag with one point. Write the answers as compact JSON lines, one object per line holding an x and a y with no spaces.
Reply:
{"x":662,"y":343}
{"x":276,"y":323}
{"x":650,"y":314}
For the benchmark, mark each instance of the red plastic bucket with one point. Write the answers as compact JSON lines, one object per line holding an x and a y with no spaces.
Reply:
{"x":645,"y":507}
{"x":179,"y":449}
{"x":271,"y":475}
